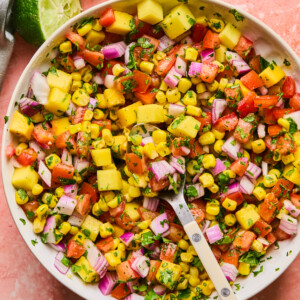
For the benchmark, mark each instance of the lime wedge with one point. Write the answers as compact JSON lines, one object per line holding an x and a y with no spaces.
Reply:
{"x":36,"y":20}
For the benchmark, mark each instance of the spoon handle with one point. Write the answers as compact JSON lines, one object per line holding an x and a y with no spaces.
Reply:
{"x":209,"y":261}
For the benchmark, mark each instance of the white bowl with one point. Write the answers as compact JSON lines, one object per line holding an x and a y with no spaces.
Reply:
{"x":267,"y":43}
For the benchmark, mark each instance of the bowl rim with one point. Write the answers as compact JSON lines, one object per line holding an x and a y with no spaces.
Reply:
{"x":37,"y":54}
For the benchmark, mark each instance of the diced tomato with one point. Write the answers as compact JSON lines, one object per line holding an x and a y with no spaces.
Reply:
{"x":140,"y":29}
{"x":243,"y":131}
{"x":157,"y":186}
{"x":125,"y":273}
{"x":61,"y":173}
{"x":30,"y":206}
{"x":281,"y":112}
{"x":78,"y":116}
{"x":217,"y":252}
{"x":271,"y":238}
{"x":147,"y":214}
{"x":117,"y":211}
{"x":269,"y":208}
{"x":246,"y":105}
{"x":27,"y":157}
{"x":198,"y":214}
{"x":295,"y":101}
{"x":239,"y":166}
{"x":296,"y":200}
{"x":227,"y":73}
{"x":265,"y":101}
{"x":10,"y":150}
{"x":74,"y":249}
{"x":254,"y":64}
{"x":106,"y":217}
{"x":43,"y":134}
{"x":168,"y":252}
{"x":94,"y":58}
{"x":232,"y":95}
{"x":170,"y":213}
{"x":237,"y":197}
{"x":108,"y":66}
{"x":231,"y":257}
{"x":286,"y":145}
{"x":262,"y":228}
{"x":209,"y":72}
{"x":65,"y":140}
{"x":76,"y":39}
{"x":243,"y":240}
{"x":66,"y":62}
{"x":243,"y":47}
{"x":289,"y":87}
{"x":125,"y":83}
{"x":135,"y":163}
{"x":281,"y":235}
{"x":87,"y":188}
{"x":227,"y":123}
{"x":211,"y":40}
{"x":148,"y":97}
{"x":196,"y":150}
{"x":176,"y":145}
{"x":274,"y":130}
{"x":268,"y":116}
{"x":205,"y":119}
{"x":124,"y":221}
{"x":252,"y":81}
{"x":111,"y":38}
{"x":154,"y":266}
{"x":120,"y":291}
{"x":103,"y":124}
{"x":106,"y":244}
{"x":142,"y":80}
{"x":165,"y":65}
{"x":152,"y":41}
{"x":83,"y":205}
{"x":176,"y":233}
{"x":107,"y":17}
{"x":83,"y":143}
{"x":198,"y":33}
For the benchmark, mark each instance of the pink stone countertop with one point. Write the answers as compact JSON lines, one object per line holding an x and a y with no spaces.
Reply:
{"x":21,"y":275}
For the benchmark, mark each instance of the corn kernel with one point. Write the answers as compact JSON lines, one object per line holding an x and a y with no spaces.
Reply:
{"x":182,"y":244}
{"x":99,"y":114}
{"x":284,"y":123}
{"x":147,"y":67}
{"x":161,"y":97}
{"x":296,"y":137}
{"x":192,"y":167}
{"x":144,"y":224}
{"x":102,"y":205}
{"x":96,"y":25}
{"x":74,"y":230}
{"x":206,"y":179}
{"x":88,"y":115}
{"x":20,"y":148}
{"x":214,"y":188}
{"x":203,"y":275}
{"x":229,"y":204}
{"x":277,"y":155}
{"x":258,"y":146}
{"x":190,"y":98}
{"x":212,"y":87}
{"x":216,"y":25}
{"x":88,"y":88}
{"x":173,"y":95}
{"x":65,"y":47}
{"x":98,"y":144}
{"x":259,"y":193}
{"x":37,"y":189}
{"x":86,"y":126}
{"x":150,"y":151}
{"x":218,"y":134}
{"x":276,"y":172}
{"x":117,"y":69}
{"x":163,"y":149}
{"x":182,"y":285}
{"x":270,"y":180}
{"x":218,"y":146}
{"x":202,"y":20}
{"x":194,"y":111}
{"x":184,"y":85}
{"x":52,"y":160}
{"x":76,"y":76}
{"x":208,"y":161}
{"x":257,"y":246}
{"x":134,"y":191}
{"x":213,"y":208}
{"x":159,"y":136}
{"x":282,"y":212}
{"x":64,"y":228}
{"x":85,"y":29}
{"x":223,"y":83}
{"x":184,"y":266}
{"x":244,"y":268}
{"x":230,"y":219}
{"x":186,"y":257}
{"x":42,"y":211}
{"x":191,"y":54}
{"x":21,"y":197}
{"x":196,"y":80}
{"x":87,"y":77}
{"x":107,"y":137}
{"x":106,"y":230}
{"x":163,"y":86}
{"x":95,"y":131}
{"x":194,"y":281}
{"x":207,"y":138}
{"x":221,"y":67}
{"x":38,"y":225}
{"x":286,"y":159}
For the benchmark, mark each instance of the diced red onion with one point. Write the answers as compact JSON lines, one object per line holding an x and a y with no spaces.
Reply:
{"x":295,"y":116}
{"x":205,"y":226}
{"x":263,"y":90}
{"x":180,"y":66}
{"x":199,"y":188}
{"x":79,"y":62}
{"x":127,"y":51}
{"x":264,"y":167}
{"x":71,"y":190}
{"x":175,"y":110}
{"x":66,"y":157}
{"x":172,"y":78}
{"x":131,"y":284}
{"x":107,"y":283}
{"x":187,"y":41}
{"x":61,"y":247}
{"x":15,"y":163}
{"x":114,"y":50}
{"x":98,"y":79}
{"x":81,"y":164}
{"x":219,"y":167}
{"x":134,"y":296}
{"x":246,"y":186}
{"x":139,"y":252}
{"x":263,"y":241}
{"x":65,"y":205}
{"x":29,"y":107}
{"x":71,"y":109}
{"x":261,"y":130}
{"x":196,"y":177}
{"x":178,"y":163}
{"x":59,"y":265}
{"x":45,"y":173}
{"x":151,"y":203}
{"x":240,"y":66}
{"x":109,"y":81}
{"x":164,"y":43}
{"x":160,"y":224}
{"x":92,"y":104}
{"x":291,"y":208}
{"x":155,"y":255}
{"x":230,"y":271}
{"x":48,"y":230}
{"x":230,"y":56}
{"x":159,"y":289}
{"x":233,"y":188}
{"x":204,"y":96}
{"x":76,"y":219}
{"x":141,"y":266}
{"x":288,"y":224}
{"x":205,"y":149}
{"x":253,"y":171}
{"x":127,"y":237}
{"x":280,"y":103}
{"x":40,"y":87}
{"x":185,"y":150}
{"x":161,"y":169}
{"x":208,"y":55}
{"x":40,"y":153}
{"x":29,"y":93}
{"x":195,"y":69}
{"x":175,"y":178}
{"x":147,"y":140}
{"x":218,"y":107}
{"x":214,"y":234}
{"x":232,"y":147}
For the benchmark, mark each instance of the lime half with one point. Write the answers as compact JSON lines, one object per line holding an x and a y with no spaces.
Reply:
{"x":36,"y":20}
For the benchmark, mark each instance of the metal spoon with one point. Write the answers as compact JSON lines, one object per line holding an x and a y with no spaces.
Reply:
{"x":191,"y":228}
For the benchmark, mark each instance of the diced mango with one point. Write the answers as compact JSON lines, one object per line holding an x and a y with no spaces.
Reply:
{"x":119,"y":145}
{"x":60,"y":79}
{"x":230,"y":36}
{"x":91,"y":227}
{"x":58,"y":101}
{"x":85,"y":270}
{"x":292,"y":174}
{"x":118,"y":231}
{"x":114,"y":97}
{"x":109,"y":180}
{"x":21,"y":126}
{"x":170,"y":271}
{"x":184,"y":126}
{"x":272,"y":75}
{"x":60,"y":125}
{"x":220,"y":54}
{"x":101,"y":157}
{"x":132,"y":210}
{"x":127,"y":115}
{"x":95,"y":37}
{"x":24,"y":178}
{"x":38,"y":117}
{"x":80,"y":237}
{"x":247,"y":217}
{"x":151,"y":113}
{"x":150,"y":12}
{"x":179,"y":20}
{"x":121,"y":24}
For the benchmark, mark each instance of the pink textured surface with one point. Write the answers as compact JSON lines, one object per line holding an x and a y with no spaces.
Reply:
{"x":21,"y":275}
